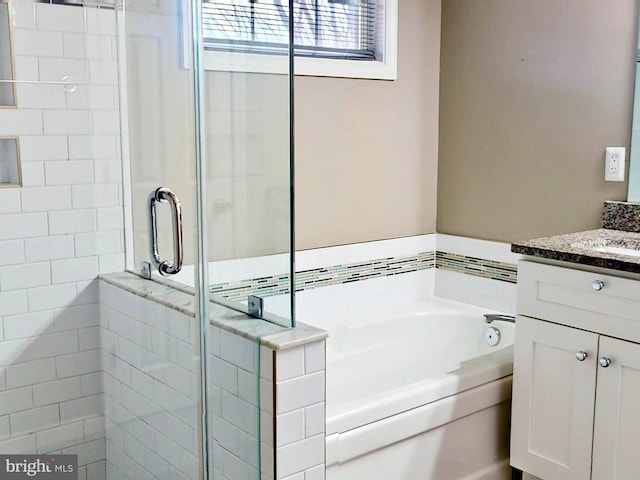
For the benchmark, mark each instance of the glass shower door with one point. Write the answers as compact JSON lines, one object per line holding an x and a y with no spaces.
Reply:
{"x":245,"y":133}
{"x":158,"y":109}
{"x":247,"y":137}
{"x":249,"y":160}
{"x":155,"y":369}
{"x":103,"y":130}
{"x":217,"y":141}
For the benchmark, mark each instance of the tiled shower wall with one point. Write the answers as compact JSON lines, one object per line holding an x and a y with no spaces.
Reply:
{"x":266,"y":407}
{"x":300,"y":412}
{"x":150,"y":361}
{"x":59,"y":231}
{"x":234,"y":404}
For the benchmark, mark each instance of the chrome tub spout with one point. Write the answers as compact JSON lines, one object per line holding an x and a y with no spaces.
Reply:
{"x":492,"y":317}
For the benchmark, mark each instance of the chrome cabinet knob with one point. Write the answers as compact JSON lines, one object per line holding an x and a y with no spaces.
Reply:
{"x":597,"y":285}
{"x":581,"y":356}
{"x":604,"y":362}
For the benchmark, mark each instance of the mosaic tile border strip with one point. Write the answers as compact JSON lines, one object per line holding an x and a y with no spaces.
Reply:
{"x":479,"y":267}
{"x":322,"y":277}
{"x":261,"y":287}
{"x":356,"y":272}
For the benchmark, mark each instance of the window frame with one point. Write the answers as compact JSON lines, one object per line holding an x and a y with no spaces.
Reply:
{"x":384,"y":69}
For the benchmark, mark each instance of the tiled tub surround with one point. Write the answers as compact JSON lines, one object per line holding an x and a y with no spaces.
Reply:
{"x":494,"y":289}
{"x":468,"y":257}
{"x":325,"y":276}
{"x":151,"y":361}
{"x":58,"y":232}
{"x":356,"y":272}
{"x":479,"y":267}
{"x":471,"y":271}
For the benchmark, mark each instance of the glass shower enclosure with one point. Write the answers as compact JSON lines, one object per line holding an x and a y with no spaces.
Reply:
{"x":145,"y":140}
{"x":207,"y":153}
{"x":208,"y":191}
{"x":240,"y":133}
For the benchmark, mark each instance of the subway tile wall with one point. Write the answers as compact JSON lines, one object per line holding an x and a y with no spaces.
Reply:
{"x":235,"y":407}
{"x":59,"y":231}
{"x":267,"y":408}
{"x":151,"y":388}
{"x":300,"y":412}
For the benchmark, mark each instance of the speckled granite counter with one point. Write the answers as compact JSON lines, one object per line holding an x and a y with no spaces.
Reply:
{"x":578,"y":248}
{"x":621,"y":216}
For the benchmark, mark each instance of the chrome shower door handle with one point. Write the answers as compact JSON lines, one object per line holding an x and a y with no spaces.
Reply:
{"x":166,"y":267}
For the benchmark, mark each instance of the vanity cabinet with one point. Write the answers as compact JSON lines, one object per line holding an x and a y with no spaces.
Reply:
{"x":576,"y":385}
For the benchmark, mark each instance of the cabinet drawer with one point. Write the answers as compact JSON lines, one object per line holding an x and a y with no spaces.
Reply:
{"x":566,"y":296}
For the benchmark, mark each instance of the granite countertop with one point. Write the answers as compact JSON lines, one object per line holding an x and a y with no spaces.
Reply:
{"x":578,"y":248}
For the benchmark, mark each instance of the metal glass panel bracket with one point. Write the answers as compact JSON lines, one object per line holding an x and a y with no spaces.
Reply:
{"x":165,"y":267}
{"x":255,"y":306}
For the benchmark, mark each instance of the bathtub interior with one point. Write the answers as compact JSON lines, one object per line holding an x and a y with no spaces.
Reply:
{"x":385,"y":360}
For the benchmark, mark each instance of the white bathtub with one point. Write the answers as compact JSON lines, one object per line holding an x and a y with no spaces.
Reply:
{"x":414,"y":392}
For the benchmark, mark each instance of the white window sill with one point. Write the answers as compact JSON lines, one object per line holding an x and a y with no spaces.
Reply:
{"x":320,"y":67}
{"x":305,"y":66}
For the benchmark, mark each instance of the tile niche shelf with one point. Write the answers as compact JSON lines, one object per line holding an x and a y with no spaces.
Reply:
{"x":7,"y":86}
{"x":9,"y":163}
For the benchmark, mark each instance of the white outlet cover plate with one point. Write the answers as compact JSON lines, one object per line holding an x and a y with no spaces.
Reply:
{"x":613,"y":172}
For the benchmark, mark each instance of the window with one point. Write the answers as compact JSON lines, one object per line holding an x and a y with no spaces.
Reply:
{"x":346,"y":38}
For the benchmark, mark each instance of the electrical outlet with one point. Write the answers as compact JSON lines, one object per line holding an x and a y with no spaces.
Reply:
{"x":614,"y":164}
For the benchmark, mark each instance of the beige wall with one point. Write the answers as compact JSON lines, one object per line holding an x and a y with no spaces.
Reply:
{"x":366,"y":152}
{"x":531,"y":94}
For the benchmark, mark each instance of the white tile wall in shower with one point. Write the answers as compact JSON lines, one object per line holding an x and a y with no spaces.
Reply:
{"x":234,"y":372}
{"x":300,"y":412}
{"x":51,"y":397}
{"x":147,"y":350}
{"x":50,"y":387}
{"x":267,"y":423}
{"x":150,"y":362}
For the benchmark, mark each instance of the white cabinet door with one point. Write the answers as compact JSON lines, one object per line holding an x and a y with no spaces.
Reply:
{"x":616,"y":442}
{"x":553,"y":400}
